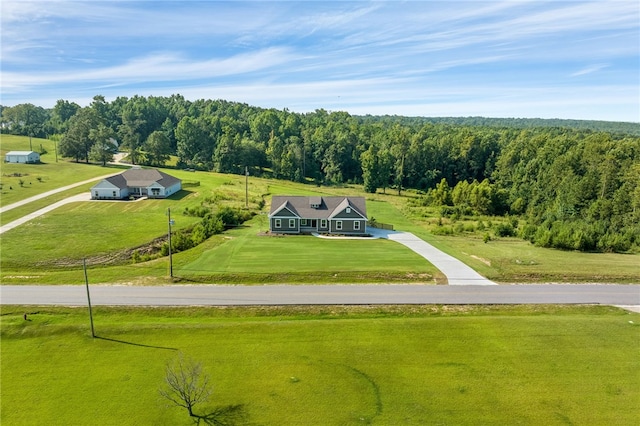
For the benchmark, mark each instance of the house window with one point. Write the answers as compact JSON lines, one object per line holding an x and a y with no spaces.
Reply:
{"x":356,"y":225}
{"x":97,"y":194}
{"x":339,"y":225}
{"x":292,"y":223}
{"x":278,"y":223}
{"x":323,"y":223}
{"x":114,"y":193}
{"x":303,"y":222}
{"x":348,"y":209}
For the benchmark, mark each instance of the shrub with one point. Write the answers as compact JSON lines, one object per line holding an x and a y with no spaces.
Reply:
{"x":233,"y":217}
{"x":469,"y":227}
{"x":528,"y":232}
{"x":447,"y":211}
{"x":199,"y":211}
{"x":504,"y":230}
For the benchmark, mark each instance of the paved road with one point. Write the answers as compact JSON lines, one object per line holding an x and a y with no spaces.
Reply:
{"x":215,"y":295}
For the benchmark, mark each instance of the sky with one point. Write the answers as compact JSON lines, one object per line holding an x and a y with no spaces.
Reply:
{"x":527,"y":59}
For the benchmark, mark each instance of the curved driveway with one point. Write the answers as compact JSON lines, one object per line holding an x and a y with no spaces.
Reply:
{"x":53,"y":191}
{"x":466,"y":285}
{"x":80,"y":197}
{"x":457,"y":272}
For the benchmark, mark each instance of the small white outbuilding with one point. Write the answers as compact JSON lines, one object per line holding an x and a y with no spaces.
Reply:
{"x":25,"y":157}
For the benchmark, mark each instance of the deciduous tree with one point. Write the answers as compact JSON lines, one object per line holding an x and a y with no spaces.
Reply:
{"x":185,"y":384}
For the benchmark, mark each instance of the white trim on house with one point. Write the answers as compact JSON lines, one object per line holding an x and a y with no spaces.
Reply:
{"x":137,"y":183}
{"x":318,"y":213}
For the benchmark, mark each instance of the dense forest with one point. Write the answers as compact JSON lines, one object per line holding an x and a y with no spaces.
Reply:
{"x":575,"y":183}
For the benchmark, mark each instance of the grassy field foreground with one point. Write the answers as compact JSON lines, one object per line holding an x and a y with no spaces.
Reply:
{"x":326,"y":365}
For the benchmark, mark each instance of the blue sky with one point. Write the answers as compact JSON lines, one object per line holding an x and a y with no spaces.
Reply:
{"x":559,"y":59}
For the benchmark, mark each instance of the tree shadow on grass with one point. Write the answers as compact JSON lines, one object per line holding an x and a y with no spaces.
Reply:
{"x":228,"y":415}
{"x":179,"y":195}
{"x":135,"y":344}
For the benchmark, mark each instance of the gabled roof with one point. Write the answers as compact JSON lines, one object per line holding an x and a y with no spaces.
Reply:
{"x":328,"y":206}
{"x":117,"y":180}
{"x":142,"y":178}
{"x":343,"y":205}
{"x":286,"y":205}
{"x":21,"y":153}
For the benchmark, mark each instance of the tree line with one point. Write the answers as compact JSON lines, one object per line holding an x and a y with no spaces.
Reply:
{"x":576,"y":183}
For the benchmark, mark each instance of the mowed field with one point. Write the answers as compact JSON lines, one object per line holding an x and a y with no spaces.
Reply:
{"x":335,"y":365}
{"x":50,"y":248}
{"x":326,"y":365}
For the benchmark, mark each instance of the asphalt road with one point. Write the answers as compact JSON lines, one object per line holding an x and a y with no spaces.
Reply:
{"x":216,"y":295}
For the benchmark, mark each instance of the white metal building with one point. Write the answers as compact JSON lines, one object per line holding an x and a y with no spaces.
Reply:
{"x":22,"y":157}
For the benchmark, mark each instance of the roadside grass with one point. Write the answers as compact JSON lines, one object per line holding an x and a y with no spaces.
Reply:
{"x":412,"y":365}
{"x":515,"y":260}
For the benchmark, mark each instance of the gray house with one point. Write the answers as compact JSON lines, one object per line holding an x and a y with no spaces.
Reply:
{"x":136,"y":182}
{"x":22,"y":157}
{"x":329,"y":215}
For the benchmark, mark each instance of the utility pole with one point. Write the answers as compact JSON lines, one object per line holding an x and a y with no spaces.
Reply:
{"x":246,"y":186}
{"x":86,"y":283}
{"x":170,"y":255}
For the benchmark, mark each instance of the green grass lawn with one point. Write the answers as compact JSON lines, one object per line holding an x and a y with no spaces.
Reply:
{"x":39,"y":178}
{"x":326,"y":365}
{"x":66,"y":235}
{"x":252,"y":257}
{"x":41,"y":250}
{"x":515,"y":260}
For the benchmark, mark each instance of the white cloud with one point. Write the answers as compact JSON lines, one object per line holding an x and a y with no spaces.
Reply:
{"x":157,"y":67}
{"x":367,"y":56}
{"x":589,"y":70}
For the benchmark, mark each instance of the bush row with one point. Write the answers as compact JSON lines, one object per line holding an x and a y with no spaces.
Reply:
{"x":211,"y":224}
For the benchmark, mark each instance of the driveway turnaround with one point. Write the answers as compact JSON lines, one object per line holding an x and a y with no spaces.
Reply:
{"x":457,"y":273}
{"x":228,"y":295}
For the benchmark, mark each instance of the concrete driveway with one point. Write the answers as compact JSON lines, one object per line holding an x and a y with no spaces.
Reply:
{"x":85,"y":196}
{"x":457,"y":272}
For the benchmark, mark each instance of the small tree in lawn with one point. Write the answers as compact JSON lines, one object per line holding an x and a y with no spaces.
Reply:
{"x":185,"y":383}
